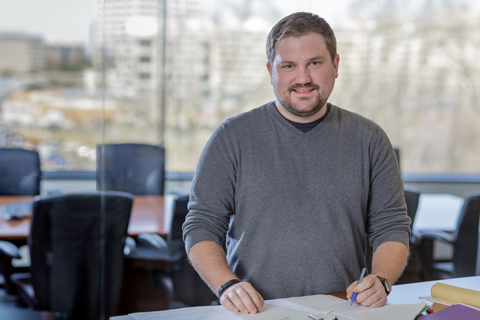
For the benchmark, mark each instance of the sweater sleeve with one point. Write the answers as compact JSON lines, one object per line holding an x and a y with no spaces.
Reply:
{"x":212,"y":193}
{"x":387,"y":215}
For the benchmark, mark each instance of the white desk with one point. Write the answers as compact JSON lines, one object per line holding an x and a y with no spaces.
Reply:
{"x":437,"y":211}
{"x":401,"y":294}
{"x":409,"y":293}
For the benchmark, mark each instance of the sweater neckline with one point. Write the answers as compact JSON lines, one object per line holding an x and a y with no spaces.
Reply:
{"x":279,"y":118}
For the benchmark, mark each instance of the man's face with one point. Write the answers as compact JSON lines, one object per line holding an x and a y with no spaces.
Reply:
{"x":303,"y":76}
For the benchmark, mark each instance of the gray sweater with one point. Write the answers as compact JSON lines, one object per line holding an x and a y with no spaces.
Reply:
{"x":293,"y":209}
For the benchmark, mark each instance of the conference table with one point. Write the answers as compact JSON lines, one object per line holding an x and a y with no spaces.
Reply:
{"x":150,"y":214}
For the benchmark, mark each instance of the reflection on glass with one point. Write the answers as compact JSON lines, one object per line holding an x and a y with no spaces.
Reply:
{"x":410,"y":67}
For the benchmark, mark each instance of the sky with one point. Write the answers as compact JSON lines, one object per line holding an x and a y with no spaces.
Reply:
{"x":55,"y":19}
{"x":70,"y":19}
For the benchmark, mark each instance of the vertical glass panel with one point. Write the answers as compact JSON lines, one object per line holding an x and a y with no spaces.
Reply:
{"x":44,"y":59}
{"x":397,"y":67}
{"x":76,"y":74}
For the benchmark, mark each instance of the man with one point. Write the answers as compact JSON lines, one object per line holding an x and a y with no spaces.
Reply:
{"x":292,"y":189}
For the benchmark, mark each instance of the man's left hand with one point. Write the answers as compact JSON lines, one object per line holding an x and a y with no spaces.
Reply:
{"x":370,"y":292}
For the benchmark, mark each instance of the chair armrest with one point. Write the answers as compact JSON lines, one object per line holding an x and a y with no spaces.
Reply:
{"x":9,"y":250}
{"x":437,"y":235}
{"x":152,"y":240}
{"x":415,"y":238}
{"x":130,"y":246}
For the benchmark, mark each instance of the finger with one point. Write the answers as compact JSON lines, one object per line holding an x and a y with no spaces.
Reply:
{"x":375,"y":301}
{"x":241,"y":298}
{"x":367,"y":283}
{"x":256,"y":298}
{"x":232,"y":296}
{"x":225,"y":301}
{"x":350,"y":289}
{"x":373,"y":296}
{"x":250,"y":298}
{"x":379,"y":303}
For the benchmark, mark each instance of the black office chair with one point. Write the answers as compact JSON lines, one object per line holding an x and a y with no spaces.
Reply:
{"x":8,"y":251}
{"x":131,"y":167}
{"x":464,"y":241}
{"x":190,"y":289}
{"x":76,"y":247}
{"x":19,"y":172}
{"x":397,"y":155}
{"x":162,"y":258}
{"x":412,"y":197}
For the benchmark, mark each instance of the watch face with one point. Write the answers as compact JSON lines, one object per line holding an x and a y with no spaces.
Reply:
{"x":387,"y":286}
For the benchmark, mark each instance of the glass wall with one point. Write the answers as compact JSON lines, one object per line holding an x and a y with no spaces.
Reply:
{"x":75,"y":74}
{"x":169,"y":72}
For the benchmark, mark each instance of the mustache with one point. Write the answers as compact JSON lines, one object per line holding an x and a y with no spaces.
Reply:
{"x":301,"y":86}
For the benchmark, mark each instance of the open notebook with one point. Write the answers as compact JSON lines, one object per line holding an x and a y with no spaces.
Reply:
{"x":298,"y":308}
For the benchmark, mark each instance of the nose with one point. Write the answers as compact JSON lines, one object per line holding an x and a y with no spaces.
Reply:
{"x":303,"y":76}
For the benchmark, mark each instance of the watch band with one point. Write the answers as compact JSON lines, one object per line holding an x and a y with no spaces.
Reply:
{"x":227,"y":285}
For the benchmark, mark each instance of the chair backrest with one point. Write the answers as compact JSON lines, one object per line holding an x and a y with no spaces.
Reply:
{"x":180,"y":211}
{"x":397,"y":155}
{"x":19,"y":172}
{"x":466,"y":238}
{"x":76,"y":246}
{"x":131,"y":167}
{"x":412,"y":197}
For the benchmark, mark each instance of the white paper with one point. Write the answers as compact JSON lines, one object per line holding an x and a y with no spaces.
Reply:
{"x":299,"y":308}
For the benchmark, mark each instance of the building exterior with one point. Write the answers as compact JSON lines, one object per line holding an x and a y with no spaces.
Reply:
{"x":57,"y":109}
{"x":65,"y":55}
{"x":21,"y":53}
{"x":125,"y":39}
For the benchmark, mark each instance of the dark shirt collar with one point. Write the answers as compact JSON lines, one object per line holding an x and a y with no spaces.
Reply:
{"x":305,"y":127}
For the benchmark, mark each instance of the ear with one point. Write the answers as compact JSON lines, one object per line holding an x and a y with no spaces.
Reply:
{"x":269,"y":68}
{"x":335,"y":64}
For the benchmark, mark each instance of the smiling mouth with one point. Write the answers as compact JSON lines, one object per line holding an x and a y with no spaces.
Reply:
{"x":304,"y":90}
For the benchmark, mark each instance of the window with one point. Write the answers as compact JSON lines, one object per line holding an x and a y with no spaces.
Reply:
{"x":411,"y":68}
{"x":145,"y":59}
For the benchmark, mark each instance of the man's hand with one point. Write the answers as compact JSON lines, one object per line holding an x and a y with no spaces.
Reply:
{"x":242,"y":297}
{"x":370,"y":292}
{"x":209,"y":260}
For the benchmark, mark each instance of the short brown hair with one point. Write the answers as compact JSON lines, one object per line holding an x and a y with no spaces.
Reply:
{"x":298,"y":24}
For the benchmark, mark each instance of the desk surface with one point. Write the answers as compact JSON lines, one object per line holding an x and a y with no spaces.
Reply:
{"x":148,"y":215}
{"x":401,"y":294}
{"x":435,"y":211}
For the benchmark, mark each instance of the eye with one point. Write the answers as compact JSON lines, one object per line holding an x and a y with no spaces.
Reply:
{"x":287,"y":67}
{"x":316,"y":63}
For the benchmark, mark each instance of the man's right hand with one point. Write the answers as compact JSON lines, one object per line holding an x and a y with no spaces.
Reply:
{"x":209,"y":260}
{"x":242,"y":297}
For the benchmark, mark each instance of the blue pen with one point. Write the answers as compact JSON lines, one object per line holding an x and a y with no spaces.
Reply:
{"x":359,"y":280}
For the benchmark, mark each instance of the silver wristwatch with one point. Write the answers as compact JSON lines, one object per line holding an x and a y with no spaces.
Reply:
{"x":386,"y":284}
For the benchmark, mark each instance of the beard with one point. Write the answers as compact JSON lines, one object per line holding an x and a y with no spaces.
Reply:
{"x":310,"y":108}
